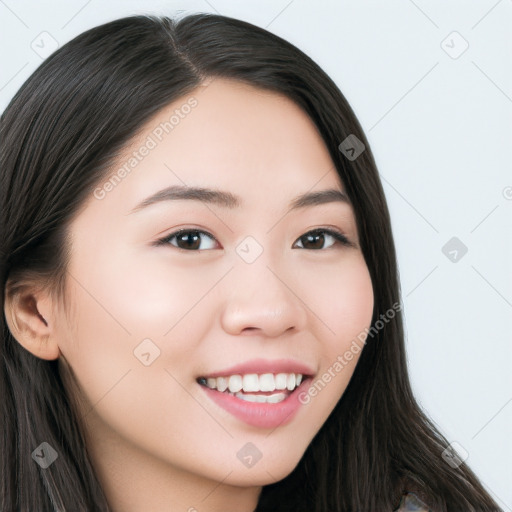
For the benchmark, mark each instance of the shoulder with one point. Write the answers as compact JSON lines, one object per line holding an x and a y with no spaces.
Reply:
{"x":411,"y":502}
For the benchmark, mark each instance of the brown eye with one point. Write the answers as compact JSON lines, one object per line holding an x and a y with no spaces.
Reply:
{"x":187,"y":239}
{"x":315,"y":240}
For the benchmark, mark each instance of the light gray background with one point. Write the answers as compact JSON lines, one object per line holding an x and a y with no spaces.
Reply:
{"x":440,"y":125}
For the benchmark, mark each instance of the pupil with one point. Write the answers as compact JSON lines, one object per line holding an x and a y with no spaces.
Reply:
{"x":315,"y":237}
{"x":189,"y":236}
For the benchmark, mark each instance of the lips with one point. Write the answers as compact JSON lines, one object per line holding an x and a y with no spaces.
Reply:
{"x":265,"y":410}
{"x":262,"y":393}
{"x":262,"y":366}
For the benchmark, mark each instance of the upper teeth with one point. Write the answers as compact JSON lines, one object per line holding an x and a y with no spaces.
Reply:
{"x":253,"y":382}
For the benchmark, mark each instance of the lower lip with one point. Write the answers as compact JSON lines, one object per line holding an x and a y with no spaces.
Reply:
{"x":260,"y":415}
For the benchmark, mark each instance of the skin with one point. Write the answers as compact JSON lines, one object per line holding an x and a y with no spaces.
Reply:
{"x":156,"y":440}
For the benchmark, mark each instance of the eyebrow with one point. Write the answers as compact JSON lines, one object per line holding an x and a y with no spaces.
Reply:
{"x":231,"y":201}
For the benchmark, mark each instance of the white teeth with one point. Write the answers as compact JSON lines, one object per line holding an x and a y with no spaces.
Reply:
{"x":252,"y":382}
{"x":267,"y":382}
{"x":235,"y":383}
{"x":281,"y":379}
{"x":276,"y":398}
{"x":269,"y":399}
{"x":222,"y":383}
{"x":250,"y":398}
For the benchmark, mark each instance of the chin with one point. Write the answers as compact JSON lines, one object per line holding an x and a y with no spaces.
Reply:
{"x":263,"y":474}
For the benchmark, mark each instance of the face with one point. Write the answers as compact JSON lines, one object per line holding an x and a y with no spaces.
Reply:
{"x":254,"y":284}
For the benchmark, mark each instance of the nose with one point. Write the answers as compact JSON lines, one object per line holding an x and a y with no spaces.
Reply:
{"x":263,"y":301}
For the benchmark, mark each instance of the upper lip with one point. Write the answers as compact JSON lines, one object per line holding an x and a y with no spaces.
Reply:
{"x":261,"y":366}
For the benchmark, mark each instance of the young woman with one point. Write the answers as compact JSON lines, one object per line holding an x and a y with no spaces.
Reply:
{"x":202,"y":307}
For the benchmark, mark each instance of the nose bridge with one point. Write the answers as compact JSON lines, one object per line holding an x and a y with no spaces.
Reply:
{"x":261,"y":295}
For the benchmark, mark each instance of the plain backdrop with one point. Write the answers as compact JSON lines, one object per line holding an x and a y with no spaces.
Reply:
{"x":431,"y":83}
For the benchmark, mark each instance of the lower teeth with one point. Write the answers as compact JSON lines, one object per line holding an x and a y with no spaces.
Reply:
{"x":269,"y":399}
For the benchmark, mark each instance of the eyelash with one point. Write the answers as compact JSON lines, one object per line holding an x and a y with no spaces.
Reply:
{"x":339,"y":238}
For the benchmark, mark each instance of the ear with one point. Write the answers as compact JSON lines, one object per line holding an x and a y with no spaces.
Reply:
{"x":29,"y":317}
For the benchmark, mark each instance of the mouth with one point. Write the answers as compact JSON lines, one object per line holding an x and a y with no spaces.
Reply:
{"x":266,"y":388}
{"x":262,"y":393}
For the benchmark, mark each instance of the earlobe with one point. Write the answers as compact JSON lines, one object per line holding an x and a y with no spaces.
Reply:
{"x":28,"y":320}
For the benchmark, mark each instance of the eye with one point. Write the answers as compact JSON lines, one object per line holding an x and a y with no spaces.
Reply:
{"x":188,"y":239}
{"x":315,"y":239}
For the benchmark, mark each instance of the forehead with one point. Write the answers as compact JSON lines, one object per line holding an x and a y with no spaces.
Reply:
{"x":227,"y":135}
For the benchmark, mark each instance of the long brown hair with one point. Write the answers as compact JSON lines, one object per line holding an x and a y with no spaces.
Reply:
{"x":59,"y":135}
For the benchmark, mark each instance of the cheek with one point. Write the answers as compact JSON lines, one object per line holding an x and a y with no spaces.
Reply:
{"x":147,"y":294}
{"x":341,"y":296}
{"x":343,"y":300}
{"x":112,"y":310}
{"x":128,"y":311}
{"x":349,"y":313}
{"x":353,"y":311}
{"x":116,"y":321}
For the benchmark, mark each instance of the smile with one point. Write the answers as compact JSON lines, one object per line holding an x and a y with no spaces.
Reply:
{"x":261,"y":400}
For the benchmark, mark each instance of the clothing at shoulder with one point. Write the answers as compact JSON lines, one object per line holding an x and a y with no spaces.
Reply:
{"x":411,"y":503}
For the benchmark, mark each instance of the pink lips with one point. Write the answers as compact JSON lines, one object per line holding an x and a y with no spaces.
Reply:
{"x":262,"y":415}
{"x":261,"y":366}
